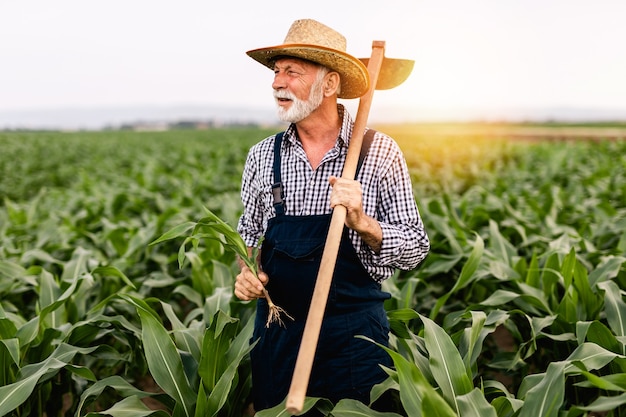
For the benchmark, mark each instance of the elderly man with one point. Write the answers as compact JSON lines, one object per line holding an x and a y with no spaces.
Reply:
{"x":291,"y":182}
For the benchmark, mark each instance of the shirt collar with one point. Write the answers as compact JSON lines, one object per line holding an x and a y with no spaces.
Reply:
{"x":344,"y":133}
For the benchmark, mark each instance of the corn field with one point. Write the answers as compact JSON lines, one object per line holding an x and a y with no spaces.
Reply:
{"x":116,"y":294}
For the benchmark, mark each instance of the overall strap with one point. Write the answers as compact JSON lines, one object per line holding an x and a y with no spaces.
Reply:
{"x":277,"y":188}
{"x":368,"y":138}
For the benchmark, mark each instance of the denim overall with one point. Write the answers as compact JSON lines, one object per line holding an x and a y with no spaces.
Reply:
{"x":344,"y":366}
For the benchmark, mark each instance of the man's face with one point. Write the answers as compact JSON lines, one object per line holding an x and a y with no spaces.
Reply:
{"x":297,"y":88}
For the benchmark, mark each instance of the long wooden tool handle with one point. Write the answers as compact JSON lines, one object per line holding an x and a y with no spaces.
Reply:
{"x":304,"y":361}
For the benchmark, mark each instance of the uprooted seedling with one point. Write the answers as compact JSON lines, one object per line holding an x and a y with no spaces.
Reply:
{"x":212,"y":227}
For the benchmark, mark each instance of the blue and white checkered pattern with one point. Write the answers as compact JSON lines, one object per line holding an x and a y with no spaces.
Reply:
{"x":385,"y":182}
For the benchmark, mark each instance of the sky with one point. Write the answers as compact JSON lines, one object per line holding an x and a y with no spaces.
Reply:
{"x":483,"y":59}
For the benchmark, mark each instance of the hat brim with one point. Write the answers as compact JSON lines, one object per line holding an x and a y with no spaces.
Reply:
{"x":354,"y":75}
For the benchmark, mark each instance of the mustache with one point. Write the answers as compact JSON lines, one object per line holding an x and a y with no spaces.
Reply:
{"x":284,"y":94}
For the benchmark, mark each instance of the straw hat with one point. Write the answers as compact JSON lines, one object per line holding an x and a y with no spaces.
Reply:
{"x":313,"y":41}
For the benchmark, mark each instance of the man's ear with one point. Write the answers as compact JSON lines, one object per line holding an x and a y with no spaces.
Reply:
{"x":331,"y":84}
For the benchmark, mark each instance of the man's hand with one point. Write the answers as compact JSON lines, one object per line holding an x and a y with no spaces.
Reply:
{"x":348,"y":193}
{"x":247,"y":286}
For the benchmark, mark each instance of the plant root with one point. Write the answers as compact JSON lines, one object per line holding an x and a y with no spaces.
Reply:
{"x":275,"y":312}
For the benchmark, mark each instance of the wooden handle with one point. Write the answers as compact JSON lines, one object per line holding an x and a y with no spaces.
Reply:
{"x":304,"y":361}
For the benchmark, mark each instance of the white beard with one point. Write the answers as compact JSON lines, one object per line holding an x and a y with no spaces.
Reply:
{"x":300,"y":109}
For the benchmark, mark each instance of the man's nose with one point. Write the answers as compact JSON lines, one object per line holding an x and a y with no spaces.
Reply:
{"x":279,"y":81}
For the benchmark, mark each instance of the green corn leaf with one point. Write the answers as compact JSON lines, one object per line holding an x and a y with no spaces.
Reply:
{"x":8,"y":329}
{"x":163,"y":359}
{"x":391,"y":383}
{"x":592,"y":356}
{"x":567,"y":309}
{"x":449,"y":235}
{"x":550,"y":274}
{"x":467,"y":274}
{"x":532,"y":274}
{"x":598,"y":333}
{"x":502,"y":248}
{"x":218,"y":301}
{"x":403,"y":314}
{"x":12,"y":348}
{"x":76,"y":266}
{"x":614,"y":307}
{"x":182,"y":251}
{"x":64,"y":353}
{"x":405,"y":296}
{"x":500,"y":297}
{"x":472,"y":339}
{"x":474,"y":404}
{"x":201,"y":402}
{"x":414,"y":345}
{"x":175,"y":232}
{"x":607,"y":269}
{"x":187,"y":338}
{"x":218,"y":230}
{"x":49,"y":292}
{"x":354,"y":408}
{"x":432,"y":408}
{"x":130,"y":407}
{"x":321,"y":404}
{"x":96,"y":316}
{"x":59,"y":301}
{"x":471,"y":265}
{"x":241,"y":343}
{"x":567,"y":268}
{"x":165,"y":362}
{"x":413,"y":385}
{"x":112,"y":271}
{"x":533,"y":298}
{"x":546,"y":397}
{"x":471,"y":345}
{"x":233,"y":240}
{"x":81,"y":371}
{"x":415,"y":391}
{"x":117,"y":383}
{"x":28,"y":332}
{"x":221,"y":274}
{"x":11,"y":270}
{"x":446,"y":363}
{"x":215,"y":344}
{"x":602,"y":404}
{"x":621,"y":245}
{"x":614,"y":382}
{"x":230,"y":234}
{"x":13,"y":395}
{"x":506,"y":406}
{"x":200,"y":277}
{"x":439,"y":263}
{"x":218,"y":396}
{"x":237,"y":350}
{"x":190,"y":294}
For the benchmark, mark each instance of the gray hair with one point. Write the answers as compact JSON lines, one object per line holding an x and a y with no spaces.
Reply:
{"x":323,"y":71}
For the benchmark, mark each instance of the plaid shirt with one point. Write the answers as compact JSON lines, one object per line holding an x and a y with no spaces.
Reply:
{"x":387,"y":195}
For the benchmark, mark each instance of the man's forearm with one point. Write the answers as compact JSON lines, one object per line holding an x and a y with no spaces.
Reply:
{"x":371,"y":233}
